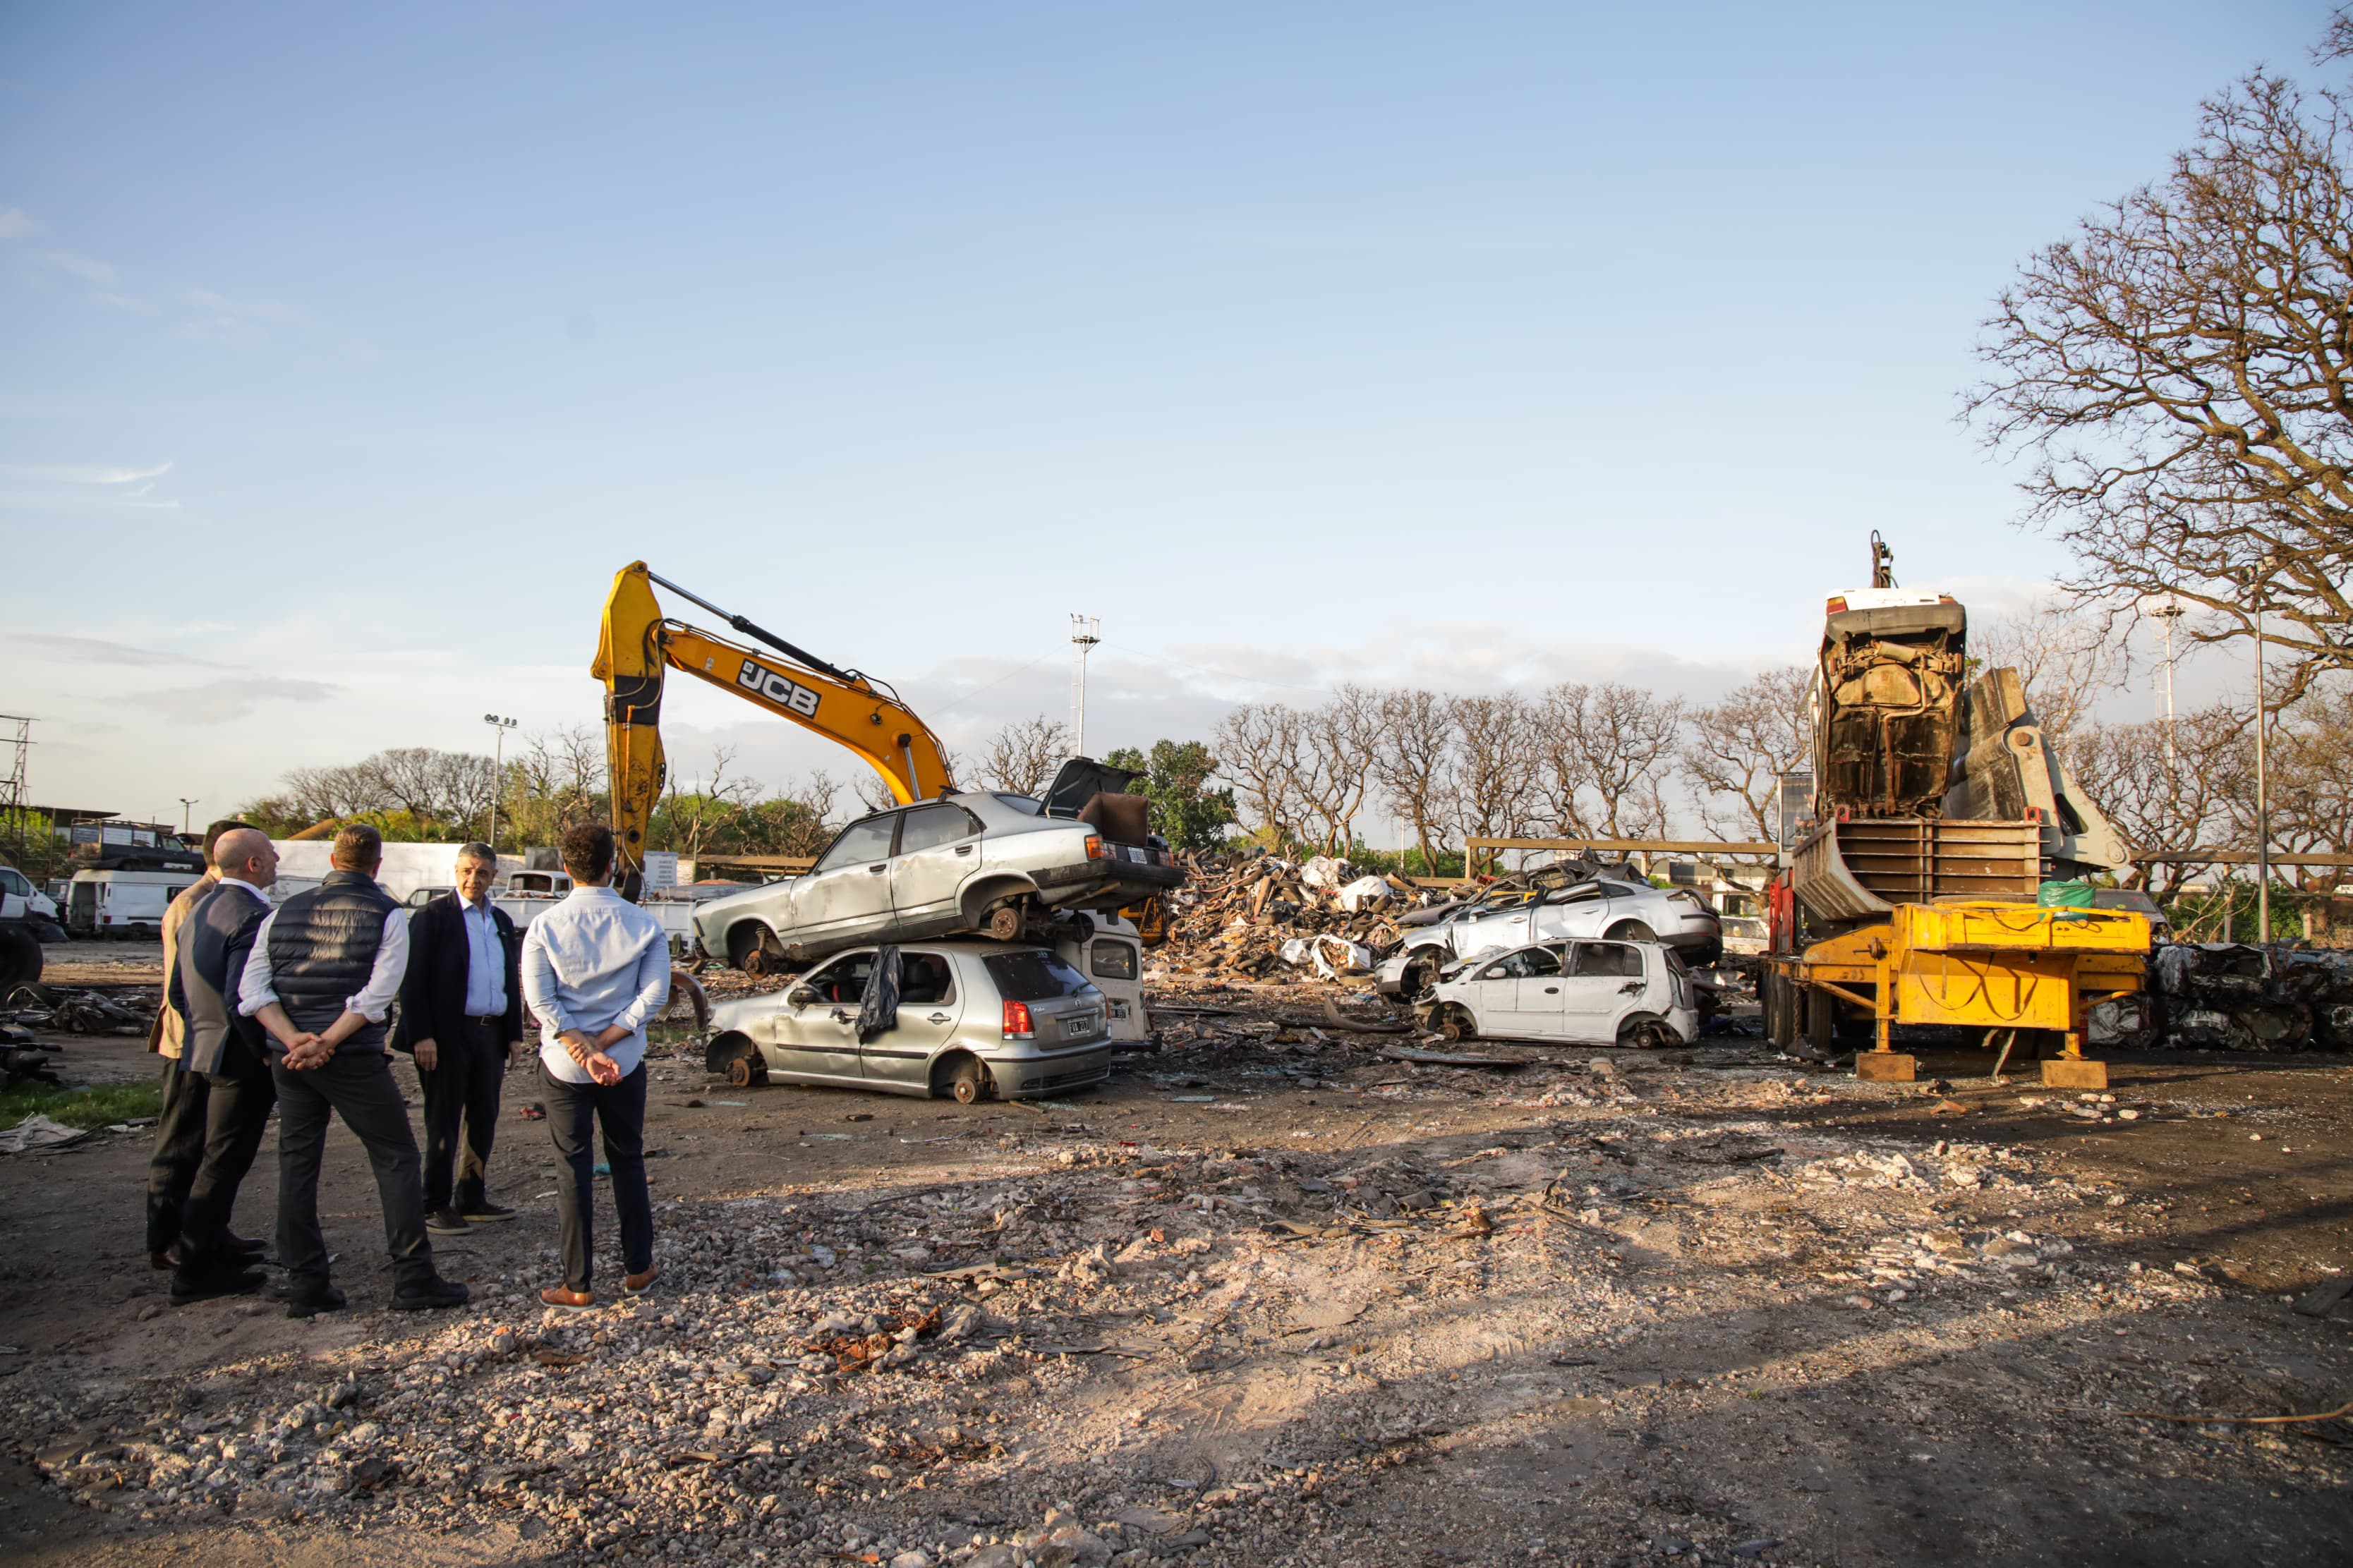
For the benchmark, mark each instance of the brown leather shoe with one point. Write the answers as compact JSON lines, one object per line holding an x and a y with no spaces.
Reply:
{"x":636,"y":1283}
{"x":577,"y":1300}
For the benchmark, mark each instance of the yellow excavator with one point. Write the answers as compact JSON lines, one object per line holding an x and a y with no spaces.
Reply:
{"x":638,"y":645}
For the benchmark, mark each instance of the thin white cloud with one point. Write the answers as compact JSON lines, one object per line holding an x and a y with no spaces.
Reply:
{"x":95,"y":650}
{"x":15,"y":224}
{"x":218,"y":315}
{"x":89,"y":268}
{"x":219,"y":702}
{"x":77,"y":474}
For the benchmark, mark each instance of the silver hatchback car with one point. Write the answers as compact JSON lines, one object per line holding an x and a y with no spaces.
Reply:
{"x":987,"y":863}
{"x":975,"y":1018}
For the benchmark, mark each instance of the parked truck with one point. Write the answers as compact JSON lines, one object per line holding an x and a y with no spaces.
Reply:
{"x":1913,"y":890}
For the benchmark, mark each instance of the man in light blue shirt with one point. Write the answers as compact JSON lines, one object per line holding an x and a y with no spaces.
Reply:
{"x":596,"y":970}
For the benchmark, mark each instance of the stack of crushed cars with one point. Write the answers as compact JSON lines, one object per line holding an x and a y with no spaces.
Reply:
{"x":1264,"y":918}
{"x":2234,"y":997}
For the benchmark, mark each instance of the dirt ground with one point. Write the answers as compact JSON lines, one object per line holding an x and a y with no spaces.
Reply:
{"x":1268,"y":1297}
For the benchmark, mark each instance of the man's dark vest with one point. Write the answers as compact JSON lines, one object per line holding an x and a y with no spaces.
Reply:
{"x":322,"y":949}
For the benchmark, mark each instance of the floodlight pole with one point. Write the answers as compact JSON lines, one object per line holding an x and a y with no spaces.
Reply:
{"x":497,"y":769}
{"x":1082,"y":639}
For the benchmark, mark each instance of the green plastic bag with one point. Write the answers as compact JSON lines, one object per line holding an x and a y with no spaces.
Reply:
{"x":2063,"y":895}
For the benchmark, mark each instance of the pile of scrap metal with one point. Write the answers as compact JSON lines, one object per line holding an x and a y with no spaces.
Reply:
{"x":23,"y":1058}
{"x":2234,"y":997}
{"x":62,"y":1011}
{"x":1267,"y":918}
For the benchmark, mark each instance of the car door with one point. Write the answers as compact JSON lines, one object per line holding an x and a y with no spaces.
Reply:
{"x":848,"y":892}
{"x":1570,"y":913}
{"x":939,"y":848}
{"x":1604,"y":979}
{"x":1496,"y":995}
{"x":1538,"y":989}
{"x":818,"y":1038}
{"x":930,"y":1004}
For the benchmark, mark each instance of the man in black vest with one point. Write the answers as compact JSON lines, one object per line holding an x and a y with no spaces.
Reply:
{"x":461,"y":1019}
{"x":325,"y":971}
{"x":227,"y":1050}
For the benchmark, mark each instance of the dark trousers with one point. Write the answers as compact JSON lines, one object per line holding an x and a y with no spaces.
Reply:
{"x":237,"y":1107}
{"x":357,"y":1086}
{"x":620,"y":1112}
{"x":179,"y":1149}
{"x":464,"y":1089}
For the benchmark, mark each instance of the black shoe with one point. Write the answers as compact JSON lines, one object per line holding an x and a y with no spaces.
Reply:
{"x":187,"y":1288}
{"x":447,"y":1221}
{"x":485,"y":1212}
{"x":240,"y":1246}
{"x":436,"y":1292}
{"x":310,"y":1303}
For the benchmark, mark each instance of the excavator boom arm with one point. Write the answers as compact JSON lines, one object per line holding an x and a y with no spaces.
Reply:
{"x":638,"y":644}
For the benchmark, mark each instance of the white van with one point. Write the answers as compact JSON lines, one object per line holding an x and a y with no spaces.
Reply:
{"x":1113,"y":959}
{"x":128,"y":904}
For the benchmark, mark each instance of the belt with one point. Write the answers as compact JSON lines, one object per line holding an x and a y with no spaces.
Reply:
{"x":486,"y":1018}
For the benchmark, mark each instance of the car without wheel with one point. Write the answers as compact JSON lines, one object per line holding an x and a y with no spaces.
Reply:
{"x":1569,"y":993}
{"x":985,"y":863}
{"x":972,"y":1019}
{"x":1513,"y":917}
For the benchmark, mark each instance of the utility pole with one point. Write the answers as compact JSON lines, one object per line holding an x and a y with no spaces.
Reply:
{"x":14,"y":802}
{"x":1082,"y":642}
{"x":497,"y":769}
{"x":184,"y":804}
{"x":2257,"y":589}
{"x":2168,"y":612}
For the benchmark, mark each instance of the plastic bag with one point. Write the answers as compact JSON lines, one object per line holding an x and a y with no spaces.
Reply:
{"x":878,"y":1010}
{"x":1323,"y":872}
{"x":1365,"y":893}
{"x":1333,"y":956}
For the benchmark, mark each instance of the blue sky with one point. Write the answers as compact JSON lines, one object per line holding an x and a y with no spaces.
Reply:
{"x":350,"y":352}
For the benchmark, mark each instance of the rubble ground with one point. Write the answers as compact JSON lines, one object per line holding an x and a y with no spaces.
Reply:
{"x":1269,"y":1298}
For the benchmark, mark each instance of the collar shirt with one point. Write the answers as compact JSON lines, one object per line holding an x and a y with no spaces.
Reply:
{"x":260,"y":897}
{"x":595,"y":961}
{"x":486,"y":961}
{"x":258,"y":988}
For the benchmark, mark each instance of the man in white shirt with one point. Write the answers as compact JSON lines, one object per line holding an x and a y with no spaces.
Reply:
{"x":325,"y":969}
{"x":596,"y":970}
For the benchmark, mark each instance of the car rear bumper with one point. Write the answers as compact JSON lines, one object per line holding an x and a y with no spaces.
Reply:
{"x":1030,"y":1073}
{"x":1126,"y":879}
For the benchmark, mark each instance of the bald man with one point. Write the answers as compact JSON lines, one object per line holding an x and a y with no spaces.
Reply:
{"x":229,"y":1050}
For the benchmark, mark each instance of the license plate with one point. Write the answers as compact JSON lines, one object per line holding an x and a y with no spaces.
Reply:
{"x":1119,"y":1010}
{"x":1073,"y":1028}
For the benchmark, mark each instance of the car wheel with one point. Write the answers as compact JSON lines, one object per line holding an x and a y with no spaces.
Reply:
{"x":1456,"y":1025}
{"x":1631,"y":930}
{"x":1647,"y":1034}
{"x":750,"y":948}
{"x":745,"y":1069}
{"x":1780,"y":1011}
{"x":1004,"y":923}
{"x":968,"y":1084}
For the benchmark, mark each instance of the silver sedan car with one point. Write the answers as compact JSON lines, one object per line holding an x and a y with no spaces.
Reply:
{"x":974,"y":1018}
{"x":989,"y":863}
{"x":1604,"y":907}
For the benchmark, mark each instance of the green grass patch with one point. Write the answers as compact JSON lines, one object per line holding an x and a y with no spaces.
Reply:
{"x":99,"y":1107}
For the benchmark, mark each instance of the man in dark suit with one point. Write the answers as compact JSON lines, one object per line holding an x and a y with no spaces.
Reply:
{"x":226,"y":1050}
{"x":461,"y":1019}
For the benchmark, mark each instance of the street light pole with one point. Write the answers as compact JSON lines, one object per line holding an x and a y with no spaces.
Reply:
{"x":497,"y":769}
{"x":184,"y":804}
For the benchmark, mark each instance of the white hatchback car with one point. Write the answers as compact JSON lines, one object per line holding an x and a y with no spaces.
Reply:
{"x":1601,"y":907}
{"x":1571,"y":992}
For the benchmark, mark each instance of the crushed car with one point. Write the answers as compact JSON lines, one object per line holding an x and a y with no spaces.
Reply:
{"x":1575,"y":902}
{"x":1637,"y":994}
{"x":984,"y":863}
{"x":962,"y":1019}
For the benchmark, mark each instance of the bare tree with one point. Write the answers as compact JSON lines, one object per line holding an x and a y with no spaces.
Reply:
{"x":2182,"y":373}
{"x":1340,"y":741}
{"x":2064,"y":659}
{"x":2162,"y":795}
{"x":1736,"y":751}
{"x":1494,"y":785}
{"x":690,"y":821}
{"x":1262,"y":747}
{"x":1413,"y":761}
{"x":1021,"y":758}
{"x":1610,"y":745}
